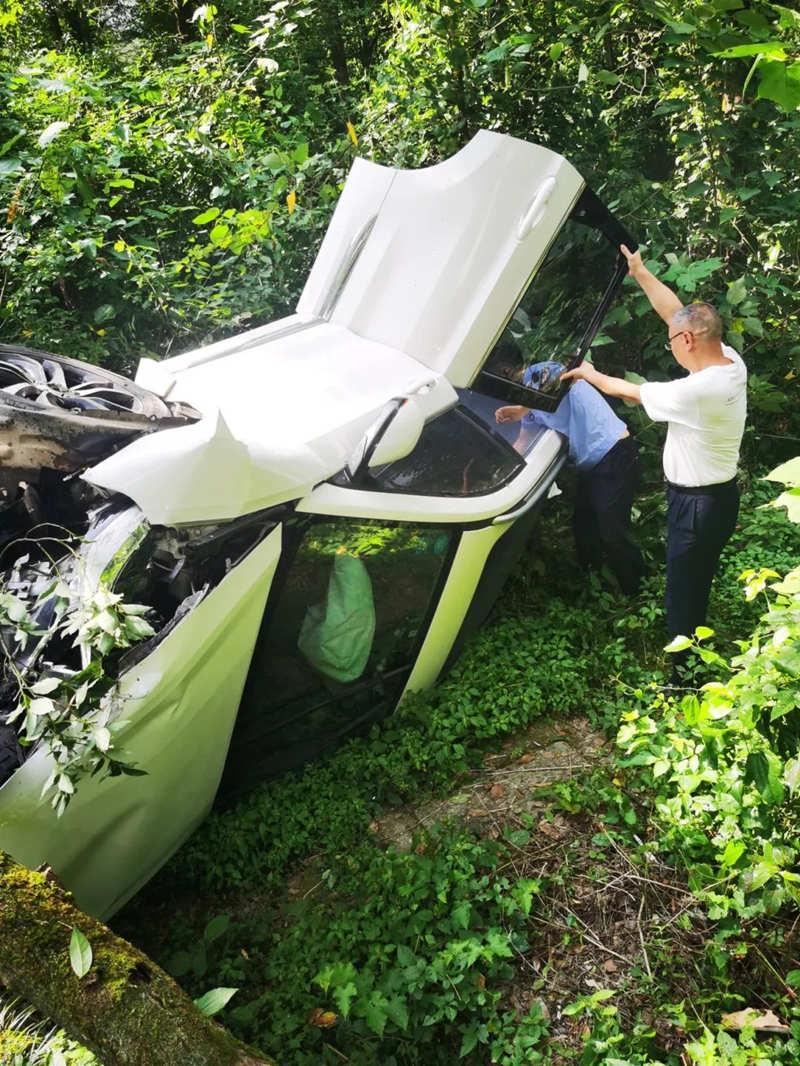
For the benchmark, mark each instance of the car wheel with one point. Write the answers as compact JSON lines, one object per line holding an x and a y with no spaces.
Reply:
{"x":58,"y":383}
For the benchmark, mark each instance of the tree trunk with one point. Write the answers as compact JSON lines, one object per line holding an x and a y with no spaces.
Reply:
{"x":126,"y":1009}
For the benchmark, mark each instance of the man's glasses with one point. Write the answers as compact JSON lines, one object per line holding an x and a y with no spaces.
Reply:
{"x":692,"y":332}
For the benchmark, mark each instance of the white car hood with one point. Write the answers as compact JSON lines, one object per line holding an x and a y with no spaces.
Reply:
{"x":415,"y":279}
{"x":278,"y":418}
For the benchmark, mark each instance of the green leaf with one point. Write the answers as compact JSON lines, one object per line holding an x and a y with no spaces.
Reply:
{"x":788,"y":19}
{"x":737,"y":290}
{"x":703,"y":632}
{"x":50,"y":134}
{"x":206,"y":216}
{"x":791,"y":775}
{"x":519,"y":837}
{"x":555,"y":50}
{"x":104,"y":313}
{"x":343,"y":996}
{"x":768,"y":49}
{"x":461,"y":914}
{"x":375,"y":1013}
{"x":214,"y":1000}
{"x":678,"y":644}
{"x":216,"y":927}
{"x":780,"y":82}
{"x":753,"y":326}
{"x":788,"y":659}
{"x":765,"y":770}
{"x":468,"y":1042}
{"x":80,"y":953}
{"x":734,"y":850}
{"x":219,"y":234}
{"x":397,"y":1010}
{"x":10,"y":166}
{"x":681,"y":28}
{"x":405,"y":956}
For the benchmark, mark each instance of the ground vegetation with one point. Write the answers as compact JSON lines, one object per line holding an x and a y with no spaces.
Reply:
{"x":166,"y":173}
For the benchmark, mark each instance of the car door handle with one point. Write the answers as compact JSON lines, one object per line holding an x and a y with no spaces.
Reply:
{"x":533,"y":216}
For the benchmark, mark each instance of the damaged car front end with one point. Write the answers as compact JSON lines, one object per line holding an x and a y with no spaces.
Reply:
{"x":102,"y":609}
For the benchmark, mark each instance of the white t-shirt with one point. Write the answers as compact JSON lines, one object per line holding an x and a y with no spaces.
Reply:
{"x":705,"y":414}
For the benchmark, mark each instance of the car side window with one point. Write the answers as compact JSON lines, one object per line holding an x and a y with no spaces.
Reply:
{"x":545,"y":330}
{"x":340,"y":635}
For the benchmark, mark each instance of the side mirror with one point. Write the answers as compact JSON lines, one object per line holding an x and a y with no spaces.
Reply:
{"x":392,"y":435}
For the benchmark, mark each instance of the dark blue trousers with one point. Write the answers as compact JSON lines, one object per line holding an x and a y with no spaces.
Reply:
{"x":602,"y":519}
{"x":699,"y":524}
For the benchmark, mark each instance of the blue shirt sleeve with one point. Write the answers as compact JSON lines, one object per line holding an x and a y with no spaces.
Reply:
{"x":587,"y":421}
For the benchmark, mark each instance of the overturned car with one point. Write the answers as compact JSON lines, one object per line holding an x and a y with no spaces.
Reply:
{"x":313,"y":515}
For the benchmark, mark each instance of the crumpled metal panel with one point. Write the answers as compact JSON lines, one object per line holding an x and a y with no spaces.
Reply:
{"x":179,"y":707}
{"x":278,"y":418}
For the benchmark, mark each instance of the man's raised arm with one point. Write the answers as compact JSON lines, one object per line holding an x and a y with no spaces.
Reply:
{"x":665,"y":302}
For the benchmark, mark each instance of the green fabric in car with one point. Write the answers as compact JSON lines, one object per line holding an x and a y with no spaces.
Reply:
{"x":336,"y":635}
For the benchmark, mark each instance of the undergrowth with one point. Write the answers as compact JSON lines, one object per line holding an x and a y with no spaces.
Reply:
{"x":435,"y":955}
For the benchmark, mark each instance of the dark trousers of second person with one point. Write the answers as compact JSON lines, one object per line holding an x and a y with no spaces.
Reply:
{"x":602,"y":519}
{"x":699,"y":523}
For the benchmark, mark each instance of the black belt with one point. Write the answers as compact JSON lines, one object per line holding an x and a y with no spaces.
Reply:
{"x":720,"y":489}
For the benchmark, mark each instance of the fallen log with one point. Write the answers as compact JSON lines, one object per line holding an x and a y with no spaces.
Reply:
{"x":126,"y":1009}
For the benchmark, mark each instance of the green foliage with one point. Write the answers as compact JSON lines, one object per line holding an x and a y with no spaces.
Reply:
{"x":417,"y":964}
{"x":68,"y":713}
{"x":28,"y":1041}
{"x":512,"y":675}
{"x":724,"y":763}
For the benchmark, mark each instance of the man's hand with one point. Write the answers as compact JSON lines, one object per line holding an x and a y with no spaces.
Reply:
{"x":512,"y":413}
{"x":663,"y":300}
{"x":585,"y":372}
{"x":626,"y":390}
{"x":635,"y":265}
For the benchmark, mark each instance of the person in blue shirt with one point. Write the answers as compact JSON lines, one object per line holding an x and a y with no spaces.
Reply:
{"x":607,"y":459}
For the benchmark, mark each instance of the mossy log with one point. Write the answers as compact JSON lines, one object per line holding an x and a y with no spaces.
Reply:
{"x":126,"y":1009}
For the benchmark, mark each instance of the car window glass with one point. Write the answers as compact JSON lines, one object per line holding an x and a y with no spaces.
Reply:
{"x":520,"y":435}
{"x":458,"y":454}
{"x":340,"y":635}
{"x":546,"y":327}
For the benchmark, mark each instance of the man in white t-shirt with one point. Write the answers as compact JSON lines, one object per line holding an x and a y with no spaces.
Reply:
{"x":705,"y":415}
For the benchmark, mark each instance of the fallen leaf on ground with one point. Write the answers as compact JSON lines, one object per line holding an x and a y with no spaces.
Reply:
{"x":749,"y":1017}
{"x":323,"y":1019}
{"x":497,"y":791}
